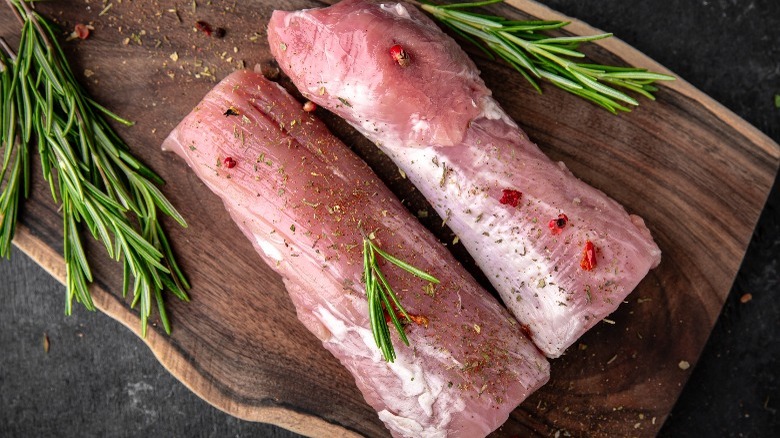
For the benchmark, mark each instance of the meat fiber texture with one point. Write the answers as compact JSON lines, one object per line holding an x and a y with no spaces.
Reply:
{"x":438,"y":122}
{"x":302,"y":197}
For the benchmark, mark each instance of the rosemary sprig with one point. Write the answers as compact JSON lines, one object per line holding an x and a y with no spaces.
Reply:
{"x":15,"y":170}
{"x":537,"y":56}
{"x":89,"y":169}
{"x":381,"y":297}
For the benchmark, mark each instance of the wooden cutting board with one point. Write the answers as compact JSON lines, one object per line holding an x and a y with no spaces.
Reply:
{"x":697,"y":173}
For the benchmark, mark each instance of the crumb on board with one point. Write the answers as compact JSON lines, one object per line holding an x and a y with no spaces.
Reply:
{"x":167,"y":28}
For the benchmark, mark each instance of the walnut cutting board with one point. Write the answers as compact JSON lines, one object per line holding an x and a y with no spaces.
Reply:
{"x":698,"y":174}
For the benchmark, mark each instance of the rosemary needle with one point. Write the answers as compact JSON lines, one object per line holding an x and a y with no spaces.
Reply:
{"x":89,"y":170}
{"x":554,"y":59}
{"x":15,"y":168}
{"x":382,"y":299}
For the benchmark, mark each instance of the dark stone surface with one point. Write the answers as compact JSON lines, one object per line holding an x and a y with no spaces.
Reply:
{"x":100,"y":380}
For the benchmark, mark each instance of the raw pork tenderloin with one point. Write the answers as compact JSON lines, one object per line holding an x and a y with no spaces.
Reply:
{"x":301,"y":196}
{"x":561,"y":253}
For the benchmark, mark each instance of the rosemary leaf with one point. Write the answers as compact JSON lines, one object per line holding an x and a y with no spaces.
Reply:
{"x":405,"y":266}
{"x":379,"y":293}
{"x":534,"y":54}
{"x":470,"y":5}
{"x":103,"y":189}
{"x":389,"y":291}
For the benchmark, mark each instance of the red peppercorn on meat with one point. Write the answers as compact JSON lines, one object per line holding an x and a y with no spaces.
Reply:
{"x":498,"y":192}
{"x":302,"y":197}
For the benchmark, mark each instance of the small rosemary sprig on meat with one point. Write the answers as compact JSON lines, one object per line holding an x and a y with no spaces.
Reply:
{"x":538,"y":56}
{"x":381,"y":297}
{"x":89,"y":169}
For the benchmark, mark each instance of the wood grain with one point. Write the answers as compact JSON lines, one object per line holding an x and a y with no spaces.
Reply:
{"x":697,"y":173}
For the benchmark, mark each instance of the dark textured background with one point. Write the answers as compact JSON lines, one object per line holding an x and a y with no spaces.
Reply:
{"x":100,"y":380}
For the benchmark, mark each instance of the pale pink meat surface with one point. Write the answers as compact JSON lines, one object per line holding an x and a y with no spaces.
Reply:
{"x":436,"y":119}
{"x":301,"y":196}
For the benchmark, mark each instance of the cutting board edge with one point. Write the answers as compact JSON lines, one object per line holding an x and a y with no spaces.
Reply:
{"x":637,"y":58}
{"x":176,"y":364}
{"x":306,"y":424}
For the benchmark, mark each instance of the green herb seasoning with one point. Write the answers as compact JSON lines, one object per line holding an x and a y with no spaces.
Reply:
{"x":89,"y":169}
{"x":379,"y":294}
{"x":535,"y":55}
